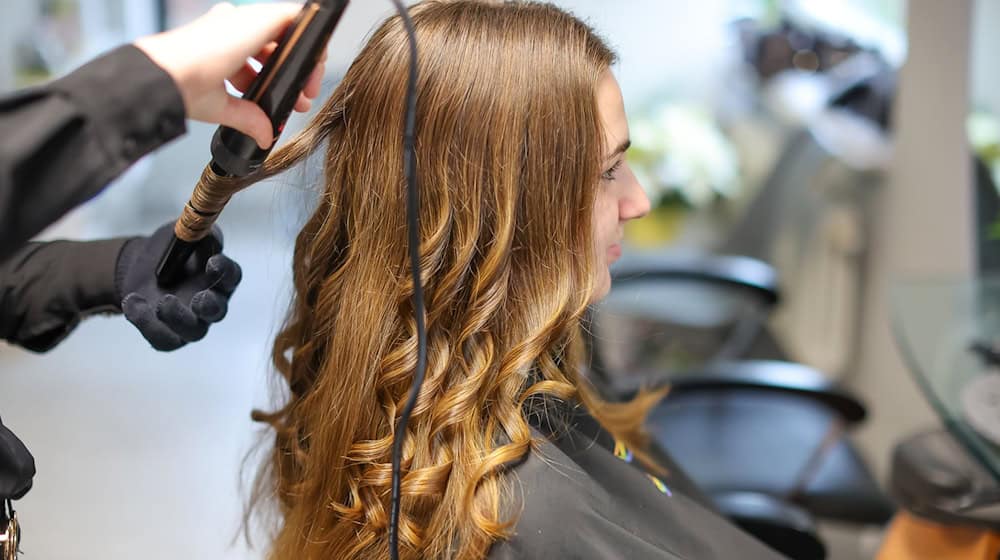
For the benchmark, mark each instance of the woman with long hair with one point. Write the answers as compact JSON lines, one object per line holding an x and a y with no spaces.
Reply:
{"x":521,"y":134}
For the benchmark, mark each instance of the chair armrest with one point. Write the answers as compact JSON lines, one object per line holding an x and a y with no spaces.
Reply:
{"x":784,"y":527}
{"x":753,"y":375}
{"x":744,"y":273}
{"x":765,"y":375}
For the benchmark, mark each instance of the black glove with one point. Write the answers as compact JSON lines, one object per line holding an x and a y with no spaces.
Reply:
{"x":171,"y":317}
{"x":17,"y":467}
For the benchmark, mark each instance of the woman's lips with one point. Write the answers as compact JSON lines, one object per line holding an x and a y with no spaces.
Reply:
{"x":614,"y":252}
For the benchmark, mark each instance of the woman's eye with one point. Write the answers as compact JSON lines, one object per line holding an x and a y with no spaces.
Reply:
{"x":609,"y":175}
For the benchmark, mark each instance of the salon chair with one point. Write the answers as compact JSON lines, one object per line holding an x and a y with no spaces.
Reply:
{"x":674,"y":311}
{"x":762,"y":437}
{"x":775,"y":428}
{"x":783,"y":526}
{"x":766,"y":441}
{"x":728,"y":418}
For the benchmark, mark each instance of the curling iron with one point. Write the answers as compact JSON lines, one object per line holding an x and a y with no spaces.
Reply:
{"x":235,"y":154}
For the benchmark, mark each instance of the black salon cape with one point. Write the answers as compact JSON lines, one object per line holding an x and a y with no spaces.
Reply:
{"x":579,"y":497}
{"x":61,"y":144}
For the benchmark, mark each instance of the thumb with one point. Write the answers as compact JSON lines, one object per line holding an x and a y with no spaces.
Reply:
{"x":248,"y":118}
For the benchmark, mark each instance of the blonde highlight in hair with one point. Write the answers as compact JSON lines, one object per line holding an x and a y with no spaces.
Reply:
{"x":509,"y":148}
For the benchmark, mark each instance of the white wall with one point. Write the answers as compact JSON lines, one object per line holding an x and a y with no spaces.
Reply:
{"x":671,"y":45}
{"x":16,"y":17}
{"x":925,"y":213}
{"x":985,"y":77}
{"x":664,"y":45}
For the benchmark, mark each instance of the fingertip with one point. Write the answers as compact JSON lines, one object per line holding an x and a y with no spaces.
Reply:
{"x":141,"y":314}
{"x":133,"y":305}
{"x":168,"y":303}
{"x":215,"y":267}
{"x":265,"y":52}
{"x":303,"y":103}
{"x":315,"y":81}
{"x":247,"y":117}
{"x":236,"y":275}
{"x":263,"y":134}
{"x":226,"y":273}
{"x":263,"y":137}
{"x":180,"y":319}
{"x":209,"y":306}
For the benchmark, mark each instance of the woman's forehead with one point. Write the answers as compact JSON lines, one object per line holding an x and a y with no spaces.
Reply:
{"x":612,"y":110}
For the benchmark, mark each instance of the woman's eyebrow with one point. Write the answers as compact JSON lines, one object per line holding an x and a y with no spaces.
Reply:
{"x":621,"y":148}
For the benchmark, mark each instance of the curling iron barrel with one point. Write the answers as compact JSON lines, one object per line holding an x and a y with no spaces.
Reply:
{"x":235,"y":154}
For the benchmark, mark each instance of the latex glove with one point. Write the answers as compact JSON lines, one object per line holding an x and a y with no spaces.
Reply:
{"x":171,"y":317}
{"x":202,"y":55}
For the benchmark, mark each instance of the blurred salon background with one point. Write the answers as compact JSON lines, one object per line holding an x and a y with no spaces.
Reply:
{"x":818,"y":262}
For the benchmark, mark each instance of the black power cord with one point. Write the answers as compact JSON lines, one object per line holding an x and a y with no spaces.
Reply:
{"x":413,"y":235}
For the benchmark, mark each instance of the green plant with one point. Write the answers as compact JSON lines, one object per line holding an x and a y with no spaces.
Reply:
{"x":682,"y":157}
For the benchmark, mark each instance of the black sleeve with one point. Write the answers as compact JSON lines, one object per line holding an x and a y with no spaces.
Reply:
{"x":61,"y":143}
{"x":17,"y":467}
{"x":47,"y":288}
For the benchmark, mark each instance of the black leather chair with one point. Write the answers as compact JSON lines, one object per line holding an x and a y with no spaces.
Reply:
{"x":783,"y":526}
{"x":764,"y":439}
{"x":676,"y":311}
{"x":774,"y":428}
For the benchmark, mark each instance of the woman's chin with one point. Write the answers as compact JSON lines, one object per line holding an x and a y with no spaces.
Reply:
{"x":602,"y":285}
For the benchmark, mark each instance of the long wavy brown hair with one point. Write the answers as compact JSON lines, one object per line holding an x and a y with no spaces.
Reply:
{"x":509,"y":149}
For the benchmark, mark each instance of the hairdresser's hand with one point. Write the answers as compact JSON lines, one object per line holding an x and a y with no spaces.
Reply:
{"x":203,"y":54}
{"x":170,"y":318}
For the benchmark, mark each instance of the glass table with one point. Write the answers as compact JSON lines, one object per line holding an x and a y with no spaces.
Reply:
{"x":946,"y":329}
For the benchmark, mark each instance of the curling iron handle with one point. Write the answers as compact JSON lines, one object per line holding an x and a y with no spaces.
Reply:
{"x":209,"y":198}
